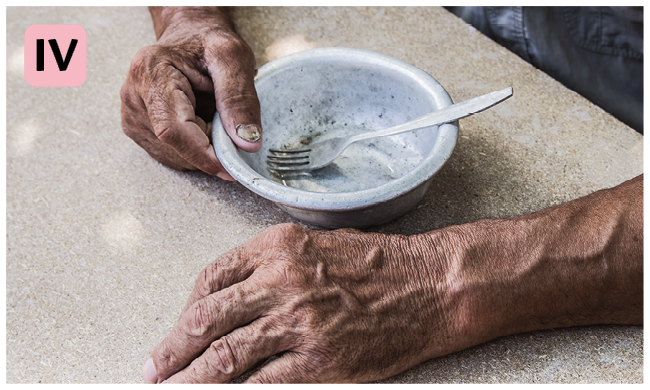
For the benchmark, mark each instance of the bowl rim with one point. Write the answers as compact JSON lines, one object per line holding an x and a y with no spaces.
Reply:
{"x":229,"y":154}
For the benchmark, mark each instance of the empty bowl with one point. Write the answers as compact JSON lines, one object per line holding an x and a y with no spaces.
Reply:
{"x":330,"y":92}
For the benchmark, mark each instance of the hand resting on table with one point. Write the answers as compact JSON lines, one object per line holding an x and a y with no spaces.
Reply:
{"x":348,"y":306}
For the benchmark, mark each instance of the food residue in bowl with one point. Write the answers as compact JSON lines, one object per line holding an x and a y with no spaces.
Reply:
{"x":363,"y":165}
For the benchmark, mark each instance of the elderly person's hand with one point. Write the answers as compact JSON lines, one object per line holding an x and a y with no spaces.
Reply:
{"x":347,"y":306}
{"x":198,"y":64}
{"x":337,"y":306}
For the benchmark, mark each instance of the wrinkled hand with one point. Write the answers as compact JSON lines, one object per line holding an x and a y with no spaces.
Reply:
{"x":347,"y":306}
{"x":342,"y":306}
{"x":174,"y":87}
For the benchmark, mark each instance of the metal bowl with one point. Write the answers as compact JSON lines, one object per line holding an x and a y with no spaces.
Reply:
{"x":329,"y":92}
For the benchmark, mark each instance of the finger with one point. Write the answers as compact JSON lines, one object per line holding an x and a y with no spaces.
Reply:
{"x":291,"y":367}
{"x":136,"y":125}
{"x":234,"y":266}
{"x":207,"y":130}
{"x":233,"y":354}
{"x":230,"y":268}
{"x":205,"y":321}
{"x":171,"y":112}
{"x":232,"y":69}
{"x":203,"y":126}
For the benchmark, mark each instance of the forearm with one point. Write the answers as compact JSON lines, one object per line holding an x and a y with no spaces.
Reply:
{"x":348,"y":306}
{"x":177,"y":18}
{"x":579,"y":263}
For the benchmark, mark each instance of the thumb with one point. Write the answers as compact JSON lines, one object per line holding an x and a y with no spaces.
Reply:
{"x":236,"y":99}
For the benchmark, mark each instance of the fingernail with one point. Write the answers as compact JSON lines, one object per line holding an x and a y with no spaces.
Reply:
{"x":248,"y":133}
{"x":149,"y":372}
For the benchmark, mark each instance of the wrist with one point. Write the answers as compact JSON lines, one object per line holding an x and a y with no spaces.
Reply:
{"x":445,"y":307}
{"x":171,"y":20}
{"x":437,"y":258}
{"x":489,"y":278}
{"x":576,"y":264}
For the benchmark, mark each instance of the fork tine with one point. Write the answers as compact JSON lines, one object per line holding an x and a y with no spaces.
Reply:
{"x":296,"y":164}
{"x":292,"y":165}
{"x":279,"y":170}
{"x":289,"y":151}
{"x":287,"y":159}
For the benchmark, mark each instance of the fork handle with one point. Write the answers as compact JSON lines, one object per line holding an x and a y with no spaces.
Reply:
{"x":445,"y":115}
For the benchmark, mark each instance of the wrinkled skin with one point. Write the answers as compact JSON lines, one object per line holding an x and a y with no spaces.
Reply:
{"x":348,"y":306}
{"x":334,"y":314}
{"x":199,"y":65}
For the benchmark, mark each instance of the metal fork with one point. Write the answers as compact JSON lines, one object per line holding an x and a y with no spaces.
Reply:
{"x":322,"y":153}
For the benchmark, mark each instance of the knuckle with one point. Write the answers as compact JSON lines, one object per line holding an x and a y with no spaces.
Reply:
{"x":229,"y":262}
{"x":148,"y":68}
{"x":130,"y":131}
{"x":132,"y":104}
{"x":166,"y":133}
{"x":132,"y":122}
{"x":143,"y":60}
{"x":225,"y":360}
{"x":126,"y":95}
{"x":200,"y":321}
{"x":290,"y":240}
{"x":165,"y":360}
{"x":249,"y":102}
{"x":285,"y":231}
{"x":152,"y":64}
{"x":205,"y":283}
{"x":223,"y":42}
{"x":285,"y":244}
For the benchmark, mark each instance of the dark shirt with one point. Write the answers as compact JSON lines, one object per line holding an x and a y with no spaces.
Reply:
{"x":595,"y":51}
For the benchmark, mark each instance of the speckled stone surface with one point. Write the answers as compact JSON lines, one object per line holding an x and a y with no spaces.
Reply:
{"x":104,"y":243}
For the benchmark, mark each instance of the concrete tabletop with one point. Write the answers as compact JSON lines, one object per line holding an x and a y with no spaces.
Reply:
{"x":103,"y":243}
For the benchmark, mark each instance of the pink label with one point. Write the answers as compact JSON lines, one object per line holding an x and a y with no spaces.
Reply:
{"x":55,"y":55}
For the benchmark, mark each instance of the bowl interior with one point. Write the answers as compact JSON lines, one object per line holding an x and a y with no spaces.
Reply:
{"x":322,"y":98}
